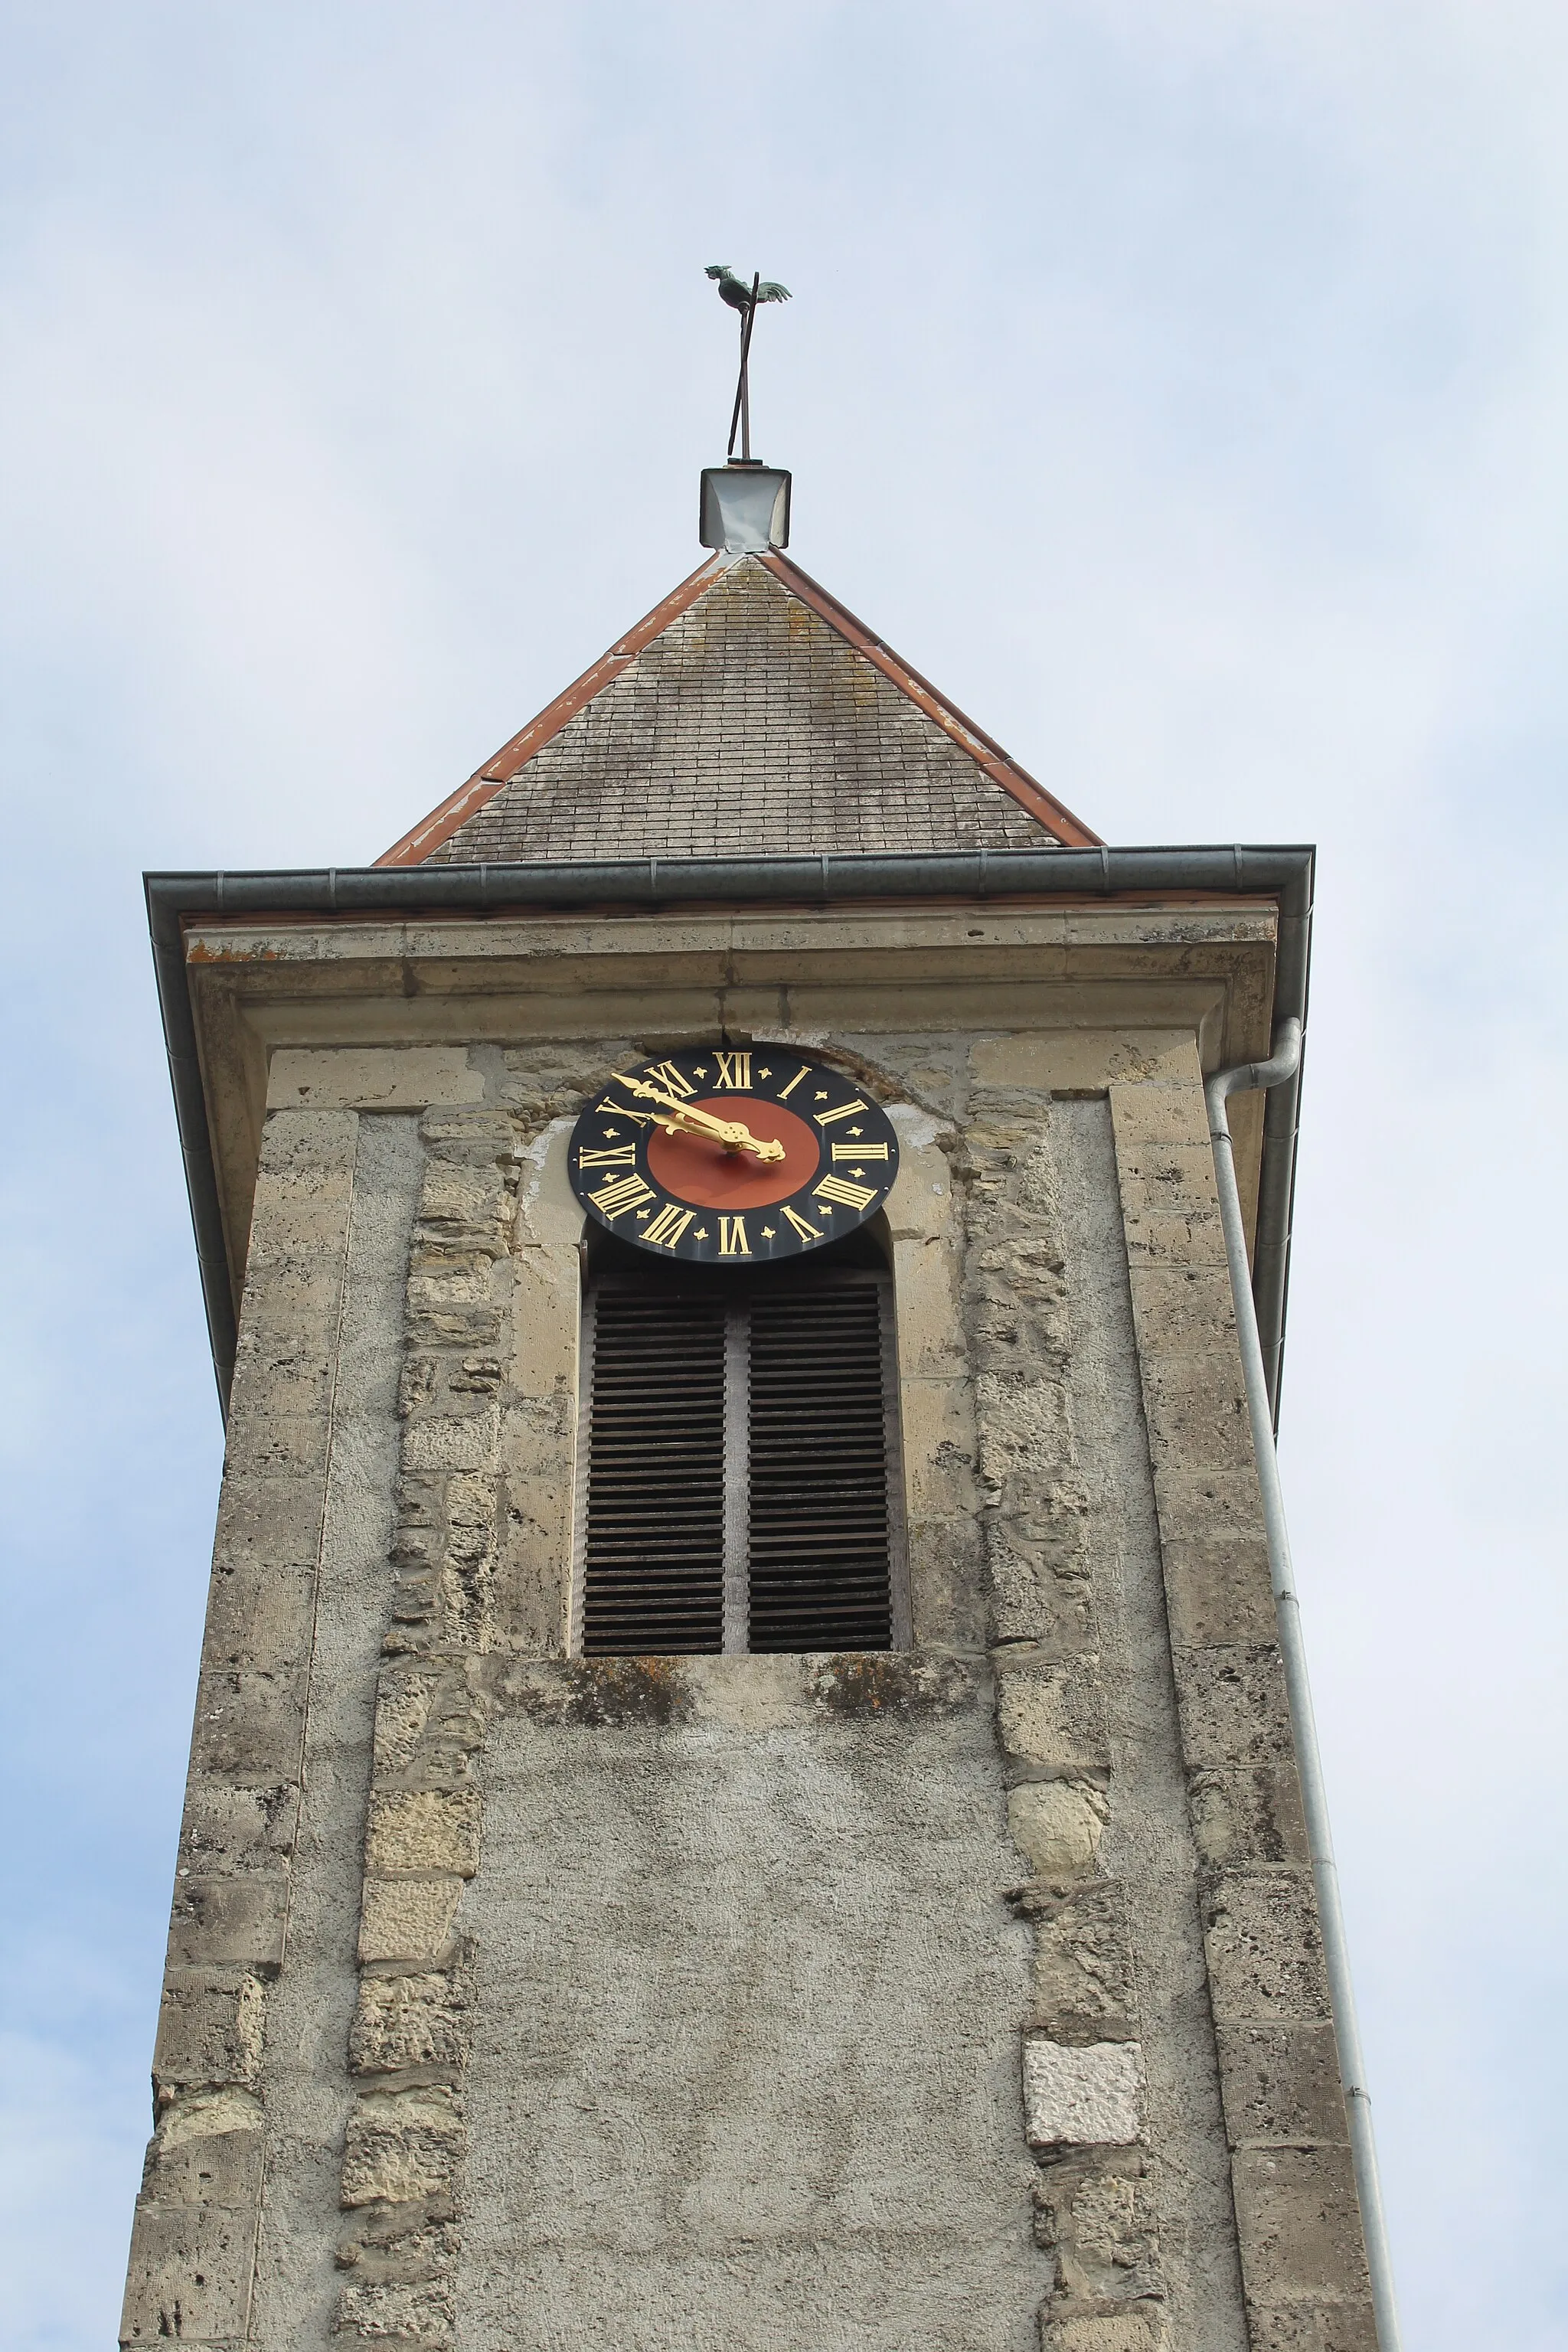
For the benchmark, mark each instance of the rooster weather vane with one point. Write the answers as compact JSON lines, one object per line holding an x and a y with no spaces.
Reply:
{"x":744,"y":299}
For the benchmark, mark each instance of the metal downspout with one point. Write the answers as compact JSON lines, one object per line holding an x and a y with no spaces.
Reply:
{"x":1282,"y":1064}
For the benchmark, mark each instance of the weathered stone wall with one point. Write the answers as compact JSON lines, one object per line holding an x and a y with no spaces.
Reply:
{"x":969,"y":1997}
{"x":1299,"y":2224}
{"x":250,"y":2075}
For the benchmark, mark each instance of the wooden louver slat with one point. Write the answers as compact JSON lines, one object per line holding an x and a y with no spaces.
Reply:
{"x":807,"y":1470}
{"x":653,"y":1553}
{"x":818,"y":1551}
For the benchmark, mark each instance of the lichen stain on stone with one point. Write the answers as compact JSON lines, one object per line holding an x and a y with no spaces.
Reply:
{"x":878,"y":1683}
{"x":197,"y":951}
{"x":624,"y":1690}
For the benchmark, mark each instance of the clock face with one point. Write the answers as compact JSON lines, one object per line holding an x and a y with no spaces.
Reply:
{"x":732,"y":1157}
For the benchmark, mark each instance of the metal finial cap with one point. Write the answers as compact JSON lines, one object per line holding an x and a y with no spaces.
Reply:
{"x":745,"y":507}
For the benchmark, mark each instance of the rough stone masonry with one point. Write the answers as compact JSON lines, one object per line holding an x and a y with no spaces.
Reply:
{"x":939,"y":2000}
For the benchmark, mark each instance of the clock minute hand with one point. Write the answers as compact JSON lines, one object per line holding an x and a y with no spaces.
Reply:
{"x":728,"y":1131}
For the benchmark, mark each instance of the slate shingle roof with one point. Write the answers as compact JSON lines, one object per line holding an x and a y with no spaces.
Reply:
{"x":758,"y":720}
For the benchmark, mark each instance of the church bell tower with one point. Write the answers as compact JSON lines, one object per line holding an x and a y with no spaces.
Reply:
{"x":744,"y":1794}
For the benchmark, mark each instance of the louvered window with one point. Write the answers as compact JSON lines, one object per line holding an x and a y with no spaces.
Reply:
{"x":739,"y":1484}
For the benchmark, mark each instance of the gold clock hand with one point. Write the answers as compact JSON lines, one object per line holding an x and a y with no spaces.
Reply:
{"x":728,"y":1131}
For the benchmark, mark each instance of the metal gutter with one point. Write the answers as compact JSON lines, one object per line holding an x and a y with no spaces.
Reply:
{"x":1284,"y":874}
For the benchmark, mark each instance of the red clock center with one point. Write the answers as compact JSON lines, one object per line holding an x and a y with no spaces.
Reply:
{"x":698,"y":1170}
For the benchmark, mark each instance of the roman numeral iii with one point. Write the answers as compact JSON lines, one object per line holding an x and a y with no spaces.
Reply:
{"x":620,"y":1193}
{"x":668,"y":1225}
{"x":859,"y":1152}
{"x":733,"y":1241}
{"x":734,"y":1070}
{"x":845,"y":1110}
{"x":848,"y":1195}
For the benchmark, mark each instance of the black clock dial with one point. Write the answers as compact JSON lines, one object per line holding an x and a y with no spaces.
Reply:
{"x":731,"y":1158}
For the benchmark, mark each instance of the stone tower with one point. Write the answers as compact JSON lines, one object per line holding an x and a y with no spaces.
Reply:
{"x":742,"y":1794}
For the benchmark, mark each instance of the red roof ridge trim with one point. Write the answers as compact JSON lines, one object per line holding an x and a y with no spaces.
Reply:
{"x":483,"y":785}
{"x":982,"y":749}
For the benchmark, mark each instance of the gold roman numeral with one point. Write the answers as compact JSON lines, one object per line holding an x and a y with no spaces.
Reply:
{"x":806,"y":1232}
{"x":665,"y":1074}
{"x":848,"y":1196}
{"x":623,"y":1110}
{"x":666,"y":1228}
{"x":620,"y":1193}
{"x":794,"y":1082}
{"x":859,"y":1152}
{"x":845,"y":1110}
{"x":733,"y":1241}
{"x":625,"y":1155}
{"x":734,"y":1070}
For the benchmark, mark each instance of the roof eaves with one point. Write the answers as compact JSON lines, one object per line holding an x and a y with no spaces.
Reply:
{"x":983,"y":750}
{"x":442,"y":823}
{"x":1285,"y":874}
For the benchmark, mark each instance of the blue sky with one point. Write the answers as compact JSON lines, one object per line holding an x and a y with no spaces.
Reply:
{"x":1183,"y":387}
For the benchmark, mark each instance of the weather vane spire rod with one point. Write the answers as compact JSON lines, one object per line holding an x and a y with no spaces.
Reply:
{"x":744,"y":299}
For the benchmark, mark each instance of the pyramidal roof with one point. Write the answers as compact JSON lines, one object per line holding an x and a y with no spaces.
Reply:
{"x":748,"y":714}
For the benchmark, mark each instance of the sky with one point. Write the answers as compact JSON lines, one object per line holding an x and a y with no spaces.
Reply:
{"x":1183,"y":387}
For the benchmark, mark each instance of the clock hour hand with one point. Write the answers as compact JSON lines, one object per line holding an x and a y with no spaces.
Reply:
{"x":727,"y":1132}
